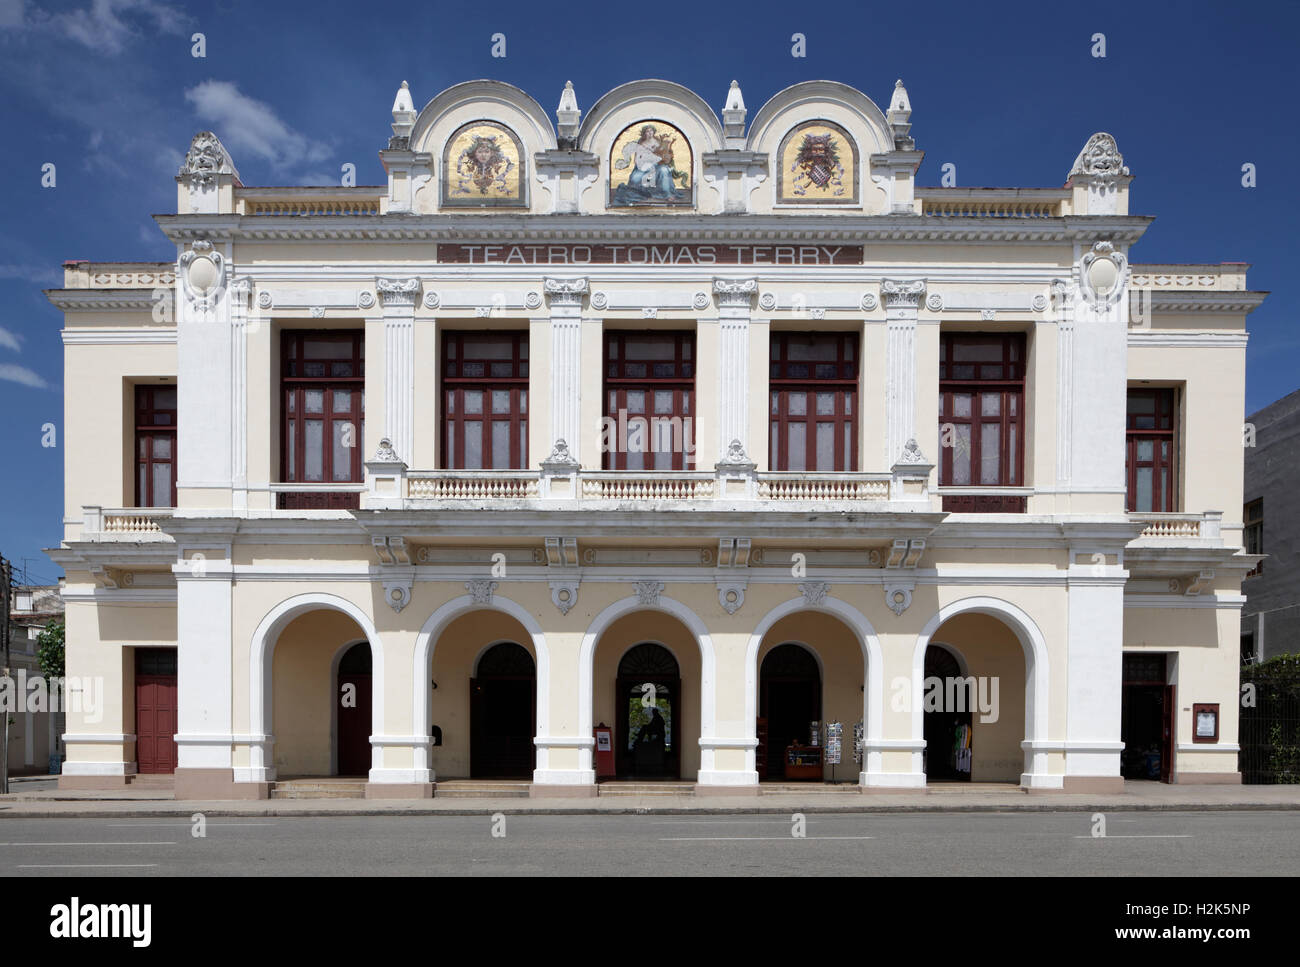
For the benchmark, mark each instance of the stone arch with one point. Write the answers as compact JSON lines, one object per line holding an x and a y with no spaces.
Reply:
{"x":422,"y":666}
{"x":1037,"y":672}
{"x":262,"y":651}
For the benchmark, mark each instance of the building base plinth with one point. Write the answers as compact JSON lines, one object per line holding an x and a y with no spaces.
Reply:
{"x":1208,"y":778}
{"x":711,"y":789}
{"x":1107,"y":785}
{"x":216,"y":784}
{"x":93,"y":782}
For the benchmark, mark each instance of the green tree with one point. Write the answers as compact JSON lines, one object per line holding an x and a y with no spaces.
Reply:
{"x":49,"y":650}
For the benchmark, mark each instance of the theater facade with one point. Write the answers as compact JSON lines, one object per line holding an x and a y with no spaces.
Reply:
{"x":638,"y":444}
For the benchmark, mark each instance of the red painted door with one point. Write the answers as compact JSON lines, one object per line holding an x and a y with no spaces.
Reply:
{"x":155,"y":710}
{"x":1167,"y":735}
{"x":354,"y":725}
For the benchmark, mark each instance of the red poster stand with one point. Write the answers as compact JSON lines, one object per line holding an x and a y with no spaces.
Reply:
{"x":604,"y":751}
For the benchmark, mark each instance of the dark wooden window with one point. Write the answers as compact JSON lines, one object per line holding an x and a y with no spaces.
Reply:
{"x":982,"y":417}
{"x":485,"y":400}
{"x":1150,"y":450}
{"x":649,"y":401}
{"x":812,"y":406}
{"x":323,"y":405}
{"x":1252,"y":516}
{"x":155,"y":446}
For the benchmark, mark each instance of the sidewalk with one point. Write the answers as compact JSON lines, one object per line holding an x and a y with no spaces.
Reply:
{"x":1136,"y":797}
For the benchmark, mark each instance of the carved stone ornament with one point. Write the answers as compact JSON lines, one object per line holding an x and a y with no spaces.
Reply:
{"x":365,"y":299}
{"x":1102,"y":273}
{"x":735,"y":293}
{"x":265,"y":300}
{"x":701,"y":300}
{"x":397,"y":592}
{"x":398,"y":292}
{"x":565,"y":292}
{"x":203,"y":272}
{"x":767,"y":302}
{"x":1100,"y":158}
{"x":481,"y":590}
{"x":431,"y":300}
{"x":599,"y":300}
{"x":898,"y":597}
{"x":902,"y":295}
{"x":736,"y":458}
{"x":869,"y":301}
{"x":934,"y":302}
{"x":1038,"y":303}
{"x":560,"y":459}
{"x":564,"y":595}
{"x":731,"y":595}
{"x":647,"y":592}
{"x":912,"y":456}
{"x":206,"y":159}
{"x":532,"y":300}
{"x":814,"y":592}
{"x":385,"y":453}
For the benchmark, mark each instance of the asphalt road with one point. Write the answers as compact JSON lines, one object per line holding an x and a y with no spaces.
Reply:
{"x":1251,"y":843}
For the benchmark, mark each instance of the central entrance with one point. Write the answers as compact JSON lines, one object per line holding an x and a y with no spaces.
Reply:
{"x":647,"y":703}
{"x":948,"y":731}
{"x":790,"y":700}
{"x":354,"y":698}
{"x":502,"y":703}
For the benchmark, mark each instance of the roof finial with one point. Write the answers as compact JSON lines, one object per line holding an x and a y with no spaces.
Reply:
{"x":568,"y":116}
{"x":733,"y":116}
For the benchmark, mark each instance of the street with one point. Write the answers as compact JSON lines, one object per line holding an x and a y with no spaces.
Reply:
{"x":1217,"y":843}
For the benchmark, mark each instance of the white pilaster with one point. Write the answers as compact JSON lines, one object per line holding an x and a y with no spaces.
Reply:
{"x":204,"y":666}
{"x":240,"y":292}
{"x":399,"y":297}
{"x":204,"y":364}
{"x":1094,"y":668}
{"x":1063,"y":297}
{"x":1099,"y":372}
{"x":565,"y":297}
{"x":735,"y":299}
{"x":902,"y":303}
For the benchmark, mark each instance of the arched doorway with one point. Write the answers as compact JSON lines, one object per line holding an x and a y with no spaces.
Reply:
{"x":648,"y":704}
{"x":790,"y":700}
{"x":354,"y":695}
{"x":948,"y":747}
{"x":503,"y":695}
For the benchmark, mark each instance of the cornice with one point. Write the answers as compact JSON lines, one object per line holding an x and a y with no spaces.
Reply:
{"x":100,"y":300}
{"x":1235,"y":301}
{"x":152,"y":336}
{"x":1121,"y":229}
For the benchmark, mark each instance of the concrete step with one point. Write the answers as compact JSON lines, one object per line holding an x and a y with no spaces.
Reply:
{"x":152,"y":781}
{"x":484,"y":789}
{"x":809,"y":788}
{"x":645,"y":789}
{"x":319,"y":789}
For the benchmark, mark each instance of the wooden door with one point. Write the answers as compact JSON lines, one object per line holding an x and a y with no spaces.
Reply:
{"x":155,"y":710}
{"x":354,"y":726}
{"x":1167,"y":735}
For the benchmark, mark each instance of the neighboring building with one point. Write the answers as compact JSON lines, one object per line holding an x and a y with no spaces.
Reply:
{"x":1270,"y":620}
{"x":386,"y":498}
{"x":35,"y":726}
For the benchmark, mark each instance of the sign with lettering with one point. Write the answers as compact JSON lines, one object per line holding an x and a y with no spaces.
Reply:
{"x":650,"y":254}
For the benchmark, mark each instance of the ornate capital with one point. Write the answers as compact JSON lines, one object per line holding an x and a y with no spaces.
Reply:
{"x":902,"y":295}
{"x":398,"y":292}
{"x":565,"y":292}
{"x":647,"y":592}
{"x":735,"y":293}
{"x":481,"y":590}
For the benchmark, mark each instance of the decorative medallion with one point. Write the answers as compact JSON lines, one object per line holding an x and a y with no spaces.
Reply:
{"x":431,"y":300}
{"x":599,"y":300}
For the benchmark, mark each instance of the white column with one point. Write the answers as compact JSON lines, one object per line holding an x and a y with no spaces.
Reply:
{"x":902,"y":304}
{"x":565,"y":297}
{"x":204,"y":667}
{"x":240,"y":292}
{"x":734,"y":303}
{"x":1094,"y":669}
{"x":204,"y":369}
{"x":398,"y":296}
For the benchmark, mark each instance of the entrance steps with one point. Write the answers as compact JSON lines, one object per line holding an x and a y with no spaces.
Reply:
{"x":325,"y":787}
{"x":151,"y":781}
{"x":810,"y":788}
{"x":966,"y":788}
{"x":621,"y":788}
{"x":482,"y":789}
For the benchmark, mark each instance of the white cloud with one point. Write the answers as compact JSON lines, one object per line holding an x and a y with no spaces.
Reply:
{"x":23,"y":375}
{"x":9,"y":340}
{"x":246,"y":125}
{"x":104,"y":26}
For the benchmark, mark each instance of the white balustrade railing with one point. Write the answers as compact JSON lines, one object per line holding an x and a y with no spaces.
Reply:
{"x":473,"y":485}
{"x":823,"y":486}
{"x":1170,"y":525}
{"x":667,"y":485}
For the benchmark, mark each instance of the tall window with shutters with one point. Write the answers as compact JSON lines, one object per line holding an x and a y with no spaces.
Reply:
{"x":155,"y":446}
{"x":812,"y":401}
{"x":323,"y":405}
{"x":649,"y":400}
{"x":1150,"y":451}
{"x":981,"y":417}
{"x":485,"y":400}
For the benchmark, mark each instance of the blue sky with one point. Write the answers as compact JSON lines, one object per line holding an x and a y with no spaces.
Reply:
{"x":108,"y":91}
